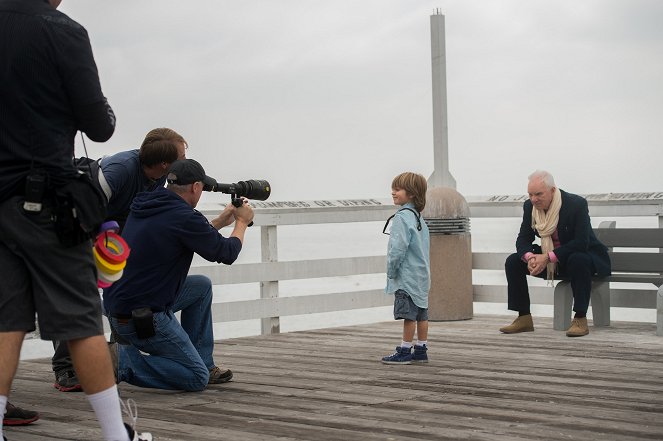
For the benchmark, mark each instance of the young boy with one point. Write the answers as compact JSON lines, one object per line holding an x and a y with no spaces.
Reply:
{"x":408,"y":267}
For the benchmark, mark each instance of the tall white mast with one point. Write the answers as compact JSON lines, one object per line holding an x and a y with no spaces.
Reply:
{"x":441,"y":176}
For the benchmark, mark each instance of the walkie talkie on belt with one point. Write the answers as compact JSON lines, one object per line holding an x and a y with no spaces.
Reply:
{"x":35,"y":187}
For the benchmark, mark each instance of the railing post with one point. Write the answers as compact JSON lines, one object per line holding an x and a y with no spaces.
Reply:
{"x":268,"y":290}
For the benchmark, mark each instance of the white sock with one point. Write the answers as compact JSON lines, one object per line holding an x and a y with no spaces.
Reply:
{"x":106,"y":405}
{"x":406,"y":344}
{"x":3,"y":404}
{"x":422,"y":343}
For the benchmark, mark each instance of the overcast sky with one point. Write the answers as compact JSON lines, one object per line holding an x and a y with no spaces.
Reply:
{"x":332,"y":99}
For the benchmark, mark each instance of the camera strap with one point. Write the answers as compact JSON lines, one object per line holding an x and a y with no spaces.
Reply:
{"x":418,"y":216}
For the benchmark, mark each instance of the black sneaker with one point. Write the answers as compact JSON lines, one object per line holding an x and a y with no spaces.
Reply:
{"x":67,"y":381}
{"x":130,"y":409}
{"x":15,"y":416}
{"x":218,"y":375}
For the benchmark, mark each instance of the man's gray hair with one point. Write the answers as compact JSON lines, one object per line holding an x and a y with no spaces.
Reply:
{"x":179,"y":189}
{"x":545,"y":176}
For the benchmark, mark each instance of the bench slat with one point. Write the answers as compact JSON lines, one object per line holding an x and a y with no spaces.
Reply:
{"x":637,"y":262}
{"x":631,"y":237}
{"x":637,"y":278}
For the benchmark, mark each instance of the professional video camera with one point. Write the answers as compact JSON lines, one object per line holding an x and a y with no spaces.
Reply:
{"x":257,"y":189}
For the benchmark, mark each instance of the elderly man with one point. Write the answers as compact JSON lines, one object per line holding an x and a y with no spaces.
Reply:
{"x":569,"y":250}
{"x":164,"y":231}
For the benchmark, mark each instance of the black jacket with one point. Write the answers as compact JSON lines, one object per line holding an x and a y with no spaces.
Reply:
{"x":574,"y":231}
{"x":163,"y":232}
{"x":49,"y":89}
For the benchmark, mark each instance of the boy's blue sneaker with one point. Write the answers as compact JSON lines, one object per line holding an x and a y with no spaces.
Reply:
{"x":401,"y":356}
{"x":419,"y":355}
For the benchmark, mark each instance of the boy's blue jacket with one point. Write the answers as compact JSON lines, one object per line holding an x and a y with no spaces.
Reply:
{"x":163,"y":232}
{"x":408,"y":257}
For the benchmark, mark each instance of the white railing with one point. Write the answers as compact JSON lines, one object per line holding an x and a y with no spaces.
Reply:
{"x":270,"y":271}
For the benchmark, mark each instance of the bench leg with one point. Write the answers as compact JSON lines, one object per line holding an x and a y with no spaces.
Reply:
{"x":563,"y":300}
{"x":659,"y":311}
{"x":601,"y":303}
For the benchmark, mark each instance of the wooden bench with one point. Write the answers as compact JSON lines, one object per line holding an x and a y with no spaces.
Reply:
{"x":627,"y":266}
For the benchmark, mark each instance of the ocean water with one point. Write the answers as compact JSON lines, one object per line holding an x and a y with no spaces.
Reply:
{"x":300,"y":242}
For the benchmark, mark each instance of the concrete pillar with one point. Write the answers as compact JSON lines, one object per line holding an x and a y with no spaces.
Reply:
{"x":447,"y":215}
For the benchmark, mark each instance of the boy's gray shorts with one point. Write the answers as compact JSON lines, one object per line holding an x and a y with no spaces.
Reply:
{"x":404,"y":308}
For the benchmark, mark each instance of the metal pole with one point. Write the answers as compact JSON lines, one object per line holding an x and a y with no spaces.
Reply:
{"x":441,"y":176}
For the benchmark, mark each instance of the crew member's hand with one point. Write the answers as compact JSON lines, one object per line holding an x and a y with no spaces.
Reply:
{"x":537,"y":263}
{"x":225,"y":218}
{"x":244,"y":213}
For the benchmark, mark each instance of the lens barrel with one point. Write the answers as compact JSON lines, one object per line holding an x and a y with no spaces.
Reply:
{"x":257,"y":189}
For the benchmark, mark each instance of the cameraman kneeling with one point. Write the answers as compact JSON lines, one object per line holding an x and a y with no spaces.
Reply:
{"x":164,"y":231}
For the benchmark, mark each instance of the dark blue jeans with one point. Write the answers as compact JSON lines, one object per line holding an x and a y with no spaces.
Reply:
{"x":178,"y":356}
{"x":579,"y":269}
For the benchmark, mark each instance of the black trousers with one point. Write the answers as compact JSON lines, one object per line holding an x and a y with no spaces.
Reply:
{"x":579,"y":269}
{"x":61,"y":358}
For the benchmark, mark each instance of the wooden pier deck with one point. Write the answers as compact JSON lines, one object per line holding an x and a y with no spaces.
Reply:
{"x":328,"y":384}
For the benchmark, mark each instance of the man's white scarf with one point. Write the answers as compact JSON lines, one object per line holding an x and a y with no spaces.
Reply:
{"x":545,"y":223}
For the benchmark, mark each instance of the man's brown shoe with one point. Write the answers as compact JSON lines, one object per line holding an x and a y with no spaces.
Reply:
{"x":522,"y":323}
{"x":578,"y":328}
{"x":218,"y":375}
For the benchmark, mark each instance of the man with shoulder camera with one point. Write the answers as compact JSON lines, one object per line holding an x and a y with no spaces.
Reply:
{"x":49,"y":89}
{"x":164,"y":231}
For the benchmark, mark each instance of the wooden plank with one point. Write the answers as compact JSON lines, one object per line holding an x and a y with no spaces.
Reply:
{"x":540,"y":295}
{"x":294,"y":213}
{"x":291,"y":270}
{"x":654,"y":279}
{"x":285,"y":306}
{"x":639,"y":298}
{"x":637,"y":262}
{"x":489,"y":261}
{"x":630,"y":237}
{"x":308,"y":216}
{"x":621,"y":261}
{"x":543,"y":295}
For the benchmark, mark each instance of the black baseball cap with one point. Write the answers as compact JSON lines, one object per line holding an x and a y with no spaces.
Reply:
{"x":188,"y":171}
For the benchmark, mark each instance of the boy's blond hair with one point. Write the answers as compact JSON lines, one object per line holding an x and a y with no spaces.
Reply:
{"x":414,"y":185}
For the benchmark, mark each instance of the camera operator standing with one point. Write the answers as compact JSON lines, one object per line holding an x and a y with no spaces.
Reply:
{"x":49,"y":89}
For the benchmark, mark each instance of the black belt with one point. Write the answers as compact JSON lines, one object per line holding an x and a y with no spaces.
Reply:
{"x":129,"y":316}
